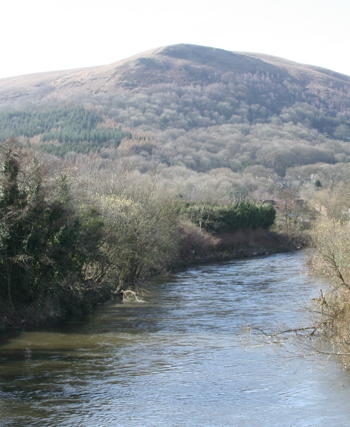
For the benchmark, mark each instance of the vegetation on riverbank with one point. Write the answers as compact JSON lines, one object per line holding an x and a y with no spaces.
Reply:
{"x":63,"y":250}
{"x":331,"y":260}
{"x":52,"y":250}
{"x":229,"y":218}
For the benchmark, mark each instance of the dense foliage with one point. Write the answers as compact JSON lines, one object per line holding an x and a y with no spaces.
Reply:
{"x":142,"y":235}
{"x":50,"y":249}
{"x":61,"y":130}
{"x":60,"y":255}
{"x":229,"y":218}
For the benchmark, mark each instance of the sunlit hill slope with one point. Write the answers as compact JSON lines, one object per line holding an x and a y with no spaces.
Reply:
{"x":191,"y":107}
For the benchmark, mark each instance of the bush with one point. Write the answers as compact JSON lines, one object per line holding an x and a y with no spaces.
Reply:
{"x":49,"y":248}
{"x":142,"y":236}
{"x":229,"y":218}
{"x":195,"y":243}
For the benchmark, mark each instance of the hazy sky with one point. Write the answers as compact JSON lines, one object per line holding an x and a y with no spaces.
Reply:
{"x":42,"y":35}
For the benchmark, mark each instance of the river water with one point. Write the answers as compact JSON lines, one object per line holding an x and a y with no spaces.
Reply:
{"x":192,"y":354}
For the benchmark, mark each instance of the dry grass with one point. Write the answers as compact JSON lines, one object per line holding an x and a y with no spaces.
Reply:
{"x":199,"y":246}
{"x":195,"y":242}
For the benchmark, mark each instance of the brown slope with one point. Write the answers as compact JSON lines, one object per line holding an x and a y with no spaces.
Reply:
{"x":182,"y":65}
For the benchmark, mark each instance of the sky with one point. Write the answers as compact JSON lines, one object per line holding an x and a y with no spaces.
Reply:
{"x":45,"y":35}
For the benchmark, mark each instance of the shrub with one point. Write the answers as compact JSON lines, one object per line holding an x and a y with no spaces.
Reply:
{"x":49,"y":248}
{"x":229,"y":218}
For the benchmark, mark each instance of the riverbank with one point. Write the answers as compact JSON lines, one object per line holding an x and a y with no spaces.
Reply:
{"x":203,"y":249}
{"x":239,"y":244}
{"x":331,"y":260}
{"x":64,"y":251}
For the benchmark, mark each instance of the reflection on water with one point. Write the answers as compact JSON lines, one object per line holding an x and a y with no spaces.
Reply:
{"x":188,"y":356}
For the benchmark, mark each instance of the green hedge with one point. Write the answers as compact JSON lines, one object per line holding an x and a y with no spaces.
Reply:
{"x":228,"y":218}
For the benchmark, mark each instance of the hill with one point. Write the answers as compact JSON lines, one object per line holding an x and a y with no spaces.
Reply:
{"x":191,"y":111}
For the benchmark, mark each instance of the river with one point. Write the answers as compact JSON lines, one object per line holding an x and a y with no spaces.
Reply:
{"x":191,"y":354}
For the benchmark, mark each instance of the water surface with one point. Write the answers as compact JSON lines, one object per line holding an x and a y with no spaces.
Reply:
{"x":191,"y":355}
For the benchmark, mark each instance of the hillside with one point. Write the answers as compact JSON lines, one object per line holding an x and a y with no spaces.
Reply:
{"x":189,"y":110}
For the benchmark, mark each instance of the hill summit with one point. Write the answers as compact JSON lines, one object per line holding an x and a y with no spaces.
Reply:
{"x":194,"y":107}
{"x":183,"y":65}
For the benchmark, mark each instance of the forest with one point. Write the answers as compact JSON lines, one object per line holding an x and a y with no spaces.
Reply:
{"x":211,"y":124}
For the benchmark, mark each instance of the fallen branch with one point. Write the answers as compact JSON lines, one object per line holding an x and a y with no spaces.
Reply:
{"x":292,"y":330}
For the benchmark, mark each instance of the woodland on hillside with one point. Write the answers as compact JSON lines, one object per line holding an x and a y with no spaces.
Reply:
{"x":222,"y":162}
{"x":210,"y":124}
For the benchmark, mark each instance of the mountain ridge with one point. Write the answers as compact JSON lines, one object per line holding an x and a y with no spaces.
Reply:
{"x":150,"y":52}
{"x":223,"y":60}
{"x":187,"y":106}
